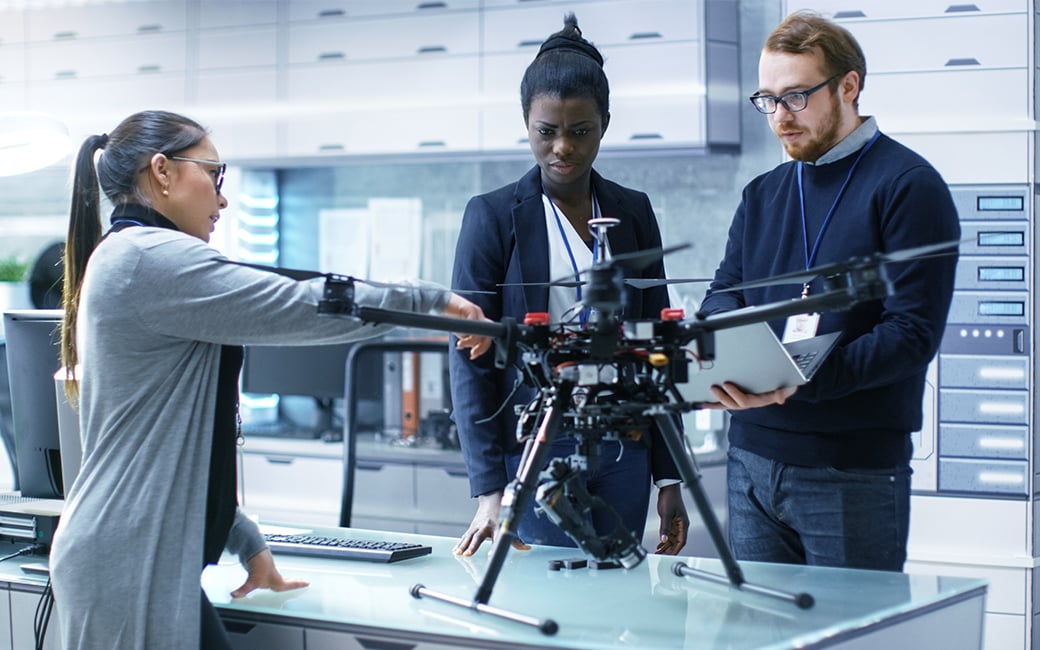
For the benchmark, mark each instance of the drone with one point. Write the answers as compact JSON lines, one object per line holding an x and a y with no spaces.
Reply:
{"x":610,"y":377}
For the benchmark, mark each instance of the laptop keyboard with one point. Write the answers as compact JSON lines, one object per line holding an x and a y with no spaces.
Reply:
{"x":345,"y":549}
{"x":803,"y":360}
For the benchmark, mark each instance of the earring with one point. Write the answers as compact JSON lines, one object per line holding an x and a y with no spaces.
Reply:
{"x":165,"y":192}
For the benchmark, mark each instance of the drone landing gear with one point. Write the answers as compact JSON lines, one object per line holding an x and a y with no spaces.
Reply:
{"x":691,"y":476}
{"x":522,"y":489}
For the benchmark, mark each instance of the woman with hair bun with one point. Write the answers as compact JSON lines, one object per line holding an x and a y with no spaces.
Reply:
{"x":528,"y":232}
{"x":152,"y":331}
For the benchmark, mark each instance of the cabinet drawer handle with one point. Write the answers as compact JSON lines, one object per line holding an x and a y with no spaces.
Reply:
{"x":279,"y":460}
{"x":427,"y":144}
{"x":238,"y":627}
{"x":956,"y":9}
{"x":331,"y":13}
{"x":646,"y":136}
{"x":382,"y":644}
{"x":528,"y":43}
{"x":431,"y":49}
{"x":64,"y":36}
{"x":371,"y":467}
{"x":65,"y":74}
{"x":854,"y":13}
{"x":146,"y":69}
{"x":644,"y":36}
{"x":432,"y":5}
{"x":331,"y":147}
{"x":457,"y":473}
{"x":149,"y":29}
{"x":331,"y":56}
{"x":965,"y":61}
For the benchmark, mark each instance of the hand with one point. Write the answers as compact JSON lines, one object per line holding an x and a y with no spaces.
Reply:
{"x":733,"y":399}
{"x":459,"y":307}
{"x":264,"y":575}
{"x":484,"y":526}
{"x":675,"y":523}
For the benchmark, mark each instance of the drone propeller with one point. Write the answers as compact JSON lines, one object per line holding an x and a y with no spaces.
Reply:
{"x":632,"y":261}
{"x":649,"y":283}
{"x":801,"y":277}
{"x":639,"y":260}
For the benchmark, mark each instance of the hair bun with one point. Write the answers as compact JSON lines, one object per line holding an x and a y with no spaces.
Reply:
{"x":570,"y":38}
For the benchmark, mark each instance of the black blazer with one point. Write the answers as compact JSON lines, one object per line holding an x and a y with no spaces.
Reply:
{"x":503,"y":239}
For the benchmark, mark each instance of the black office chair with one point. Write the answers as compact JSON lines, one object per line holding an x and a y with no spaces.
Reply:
{"x":361,"y":394}
{"x":6,"y":416}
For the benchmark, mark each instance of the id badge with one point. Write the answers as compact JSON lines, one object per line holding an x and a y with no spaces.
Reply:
{"x":801,"y":326}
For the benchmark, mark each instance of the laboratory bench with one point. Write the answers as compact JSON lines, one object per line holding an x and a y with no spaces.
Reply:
{"x":353,"y":604}
{"x":364,"y":605}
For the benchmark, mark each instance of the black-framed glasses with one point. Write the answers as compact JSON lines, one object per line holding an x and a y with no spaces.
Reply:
{"x":220,"y":165}
{"x":793,"y":102}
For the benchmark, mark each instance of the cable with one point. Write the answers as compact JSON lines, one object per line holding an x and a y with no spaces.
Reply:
{"x":32,"y":548}
{"x":43,"y":615}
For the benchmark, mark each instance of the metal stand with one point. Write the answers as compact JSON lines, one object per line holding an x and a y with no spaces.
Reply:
{"x":691,"y":476}
{"x":517,"y":498}
{"x":522,"y":489}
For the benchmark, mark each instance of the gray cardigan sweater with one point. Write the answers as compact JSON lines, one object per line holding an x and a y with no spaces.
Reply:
{"x":156,"y":306}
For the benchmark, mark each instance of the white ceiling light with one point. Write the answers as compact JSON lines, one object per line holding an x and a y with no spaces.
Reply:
{"x":31,"y":141}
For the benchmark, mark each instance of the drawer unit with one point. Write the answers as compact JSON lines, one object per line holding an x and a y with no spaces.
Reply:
{"x":1004,"y":308}
{"x":984,"y":476}
{"x":339,"y":10}
{"x":995,"y":238}
{"x":991,"y":203}
{"x":851,"y":11}
{"x":984,"y":441}
{"x":1012,"y":372}
{"x":994,"y":273}
{"x":983,"y":406}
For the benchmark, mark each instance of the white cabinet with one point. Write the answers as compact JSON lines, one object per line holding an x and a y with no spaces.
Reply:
{"x":238,"y":13}
{"x":304,"y":10}
{"x":950,"y":80}
{"x":248,"y":634}
{"x":306,"y":79}
{"x":64,"y":22}
{"x":292,"y":481}
{"x":23,"y":613}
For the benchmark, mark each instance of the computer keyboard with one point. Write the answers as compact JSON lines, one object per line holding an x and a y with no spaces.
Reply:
{"x":803,"y":360}
{"x":345,"y":549}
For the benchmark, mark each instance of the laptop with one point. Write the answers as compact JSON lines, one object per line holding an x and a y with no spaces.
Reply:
{"x":753,"y":358}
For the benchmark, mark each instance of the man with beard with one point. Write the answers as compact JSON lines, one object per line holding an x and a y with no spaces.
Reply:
{"x":820,"y":474}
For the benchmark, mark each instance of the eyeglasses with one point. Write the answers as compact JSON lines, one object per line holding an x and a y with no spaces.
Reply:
{"x":793,"y":102}
{"x":222,"y":167}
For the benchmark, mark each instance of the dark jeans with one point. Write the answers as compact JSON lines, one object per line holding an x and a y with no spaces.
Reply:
{"x":856,"y":518}
{"x":624,"y":483}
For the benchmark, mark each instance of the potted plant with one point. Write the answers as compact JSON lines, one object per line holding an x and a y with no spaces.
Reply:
{"x":14,"y":291}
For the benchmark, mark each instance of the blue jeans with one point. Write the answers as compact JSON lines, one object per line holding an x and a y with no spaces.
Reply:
{"x":624,"y":483}
{"x":856,"y":518}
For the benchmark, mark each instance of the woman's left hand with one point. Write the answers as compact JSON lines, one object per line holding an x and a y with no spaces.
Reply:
{"x":264,"y":575}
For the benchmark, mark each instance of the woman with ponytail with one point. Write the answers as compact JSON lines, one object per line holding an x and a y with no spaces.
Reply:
{"x":526,"y":233}
{"x":154,"y":324}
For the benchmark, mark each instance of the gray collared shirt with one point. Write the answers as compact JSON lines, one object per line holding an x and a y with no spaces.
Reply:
{"x":853,"y":142}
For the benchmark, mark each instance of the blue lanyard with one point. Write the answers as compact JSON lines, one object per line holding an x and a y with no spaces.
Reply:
{"x":570,"y":253}
{"x":810,"y":256}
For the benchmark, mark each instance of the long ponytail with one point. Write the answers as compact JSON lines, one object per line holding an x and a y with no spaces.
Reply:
{"x":83,"y":236}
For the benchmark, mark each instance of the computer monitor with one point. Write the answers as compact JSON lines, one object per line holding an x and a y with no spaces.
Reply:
{"x":33,"y":341}
{"x":315,"y":371}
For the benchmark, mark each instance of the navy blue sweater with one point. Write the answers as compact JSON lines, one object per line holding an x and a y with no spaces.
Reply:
{"x":865,"y":400}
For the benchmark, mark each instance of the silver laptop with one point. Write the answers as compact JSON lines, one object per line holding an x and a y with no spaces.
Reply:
{"x":752,"y":357}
